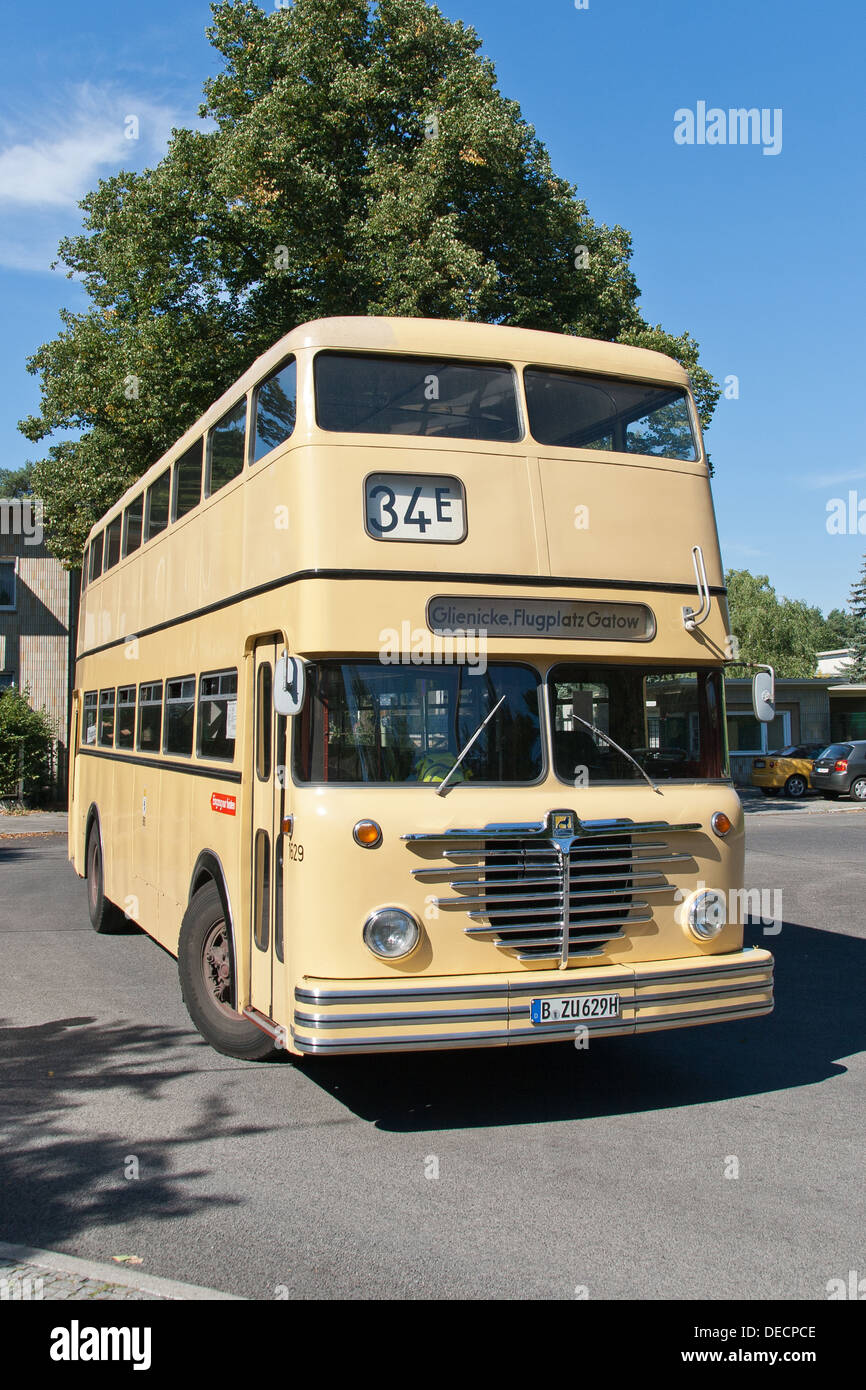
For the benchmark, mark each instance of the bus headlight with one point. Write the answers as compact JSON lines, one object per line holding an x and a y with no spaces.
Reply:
{"x":706,"y":915}
{"x":391,"y":933}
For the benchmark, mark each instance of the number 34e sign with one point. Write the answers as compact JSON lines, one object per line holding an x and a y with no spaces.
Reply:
{"x":414,"y":507}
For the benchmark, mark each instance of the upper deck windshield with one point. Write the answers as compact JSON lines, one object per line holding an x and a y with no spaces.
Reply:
{"x":364,"y":393}
{"x":367,"y":722}
{"x":577,"y":411}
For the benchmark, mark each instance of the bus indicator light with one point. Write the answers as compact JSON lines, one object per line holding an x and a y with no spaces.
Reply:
{"x":220,"y":801}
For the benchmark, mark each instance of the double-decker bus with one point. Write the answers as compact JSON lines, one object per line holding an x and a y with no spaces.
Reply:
{"x":399,"y":705}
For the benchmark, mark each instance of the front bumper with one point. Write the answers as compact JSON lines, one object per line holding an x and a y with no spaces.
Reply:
{"x":347,"y":1016}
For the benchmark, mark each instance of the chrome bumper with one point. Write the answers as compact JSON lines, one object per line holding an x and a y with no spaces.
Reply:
{"x":334,"y":1016}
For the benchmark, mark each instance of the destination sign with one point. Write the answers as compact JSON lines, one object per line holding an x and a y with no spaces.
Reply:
{"x":529,"y":617}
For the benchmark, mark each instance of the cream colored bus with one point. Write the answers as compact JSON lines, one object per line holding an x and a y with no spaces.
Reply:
{"x":399,"y":711}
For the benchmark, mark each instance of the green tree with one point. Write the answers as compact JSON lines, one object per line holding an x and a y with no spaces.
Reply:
{"x":840,"y":629}
{"x":26,"y":743}
{"x":17,"y":482}
{"x":784,"y":633}
{"x":363,"y":161}
{"x":857,"y":669}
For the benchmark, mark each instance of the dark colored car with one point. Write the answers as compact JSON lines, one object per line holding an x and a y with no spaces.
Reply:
{"x":840,"y":770}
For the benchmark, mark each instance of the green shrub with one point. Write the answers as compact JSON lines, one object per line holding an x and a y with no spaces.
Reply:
{"x":28,"y":731}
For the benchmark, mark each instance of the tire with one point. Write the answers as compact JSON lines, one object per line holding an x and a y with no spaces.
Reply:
{"x":105,"y":917}
{"x":205,"y":947}
{"x":857,"y":790}
{"x":796,"y":786}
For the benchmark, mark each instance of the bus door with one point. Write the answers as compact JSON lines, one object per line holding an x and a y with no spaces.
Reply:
{"x":267,"y":778}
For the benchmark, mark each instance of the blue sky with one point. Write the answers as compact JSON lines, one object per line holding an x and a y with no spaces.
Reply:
{"x":759,"y":256}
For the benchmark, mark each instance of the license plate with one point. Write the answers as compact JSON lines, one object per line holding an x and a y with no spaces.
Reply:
{"x":821,"y":767}
{"x":577,"y":1009}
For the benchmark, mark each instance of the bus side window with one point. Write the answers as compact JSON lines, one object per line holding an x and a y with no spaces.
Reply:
{"x":179,"y":715}
{"x":226,"y":448}
{"x":88,"y":730}
{"x":187,"y":481}
{"x":149,"y":717}
{"x":125,"y":732}
{"x":106,"y":718}
{"x":96,"y":556}
{"x":132,"y":519}
{"x":112,"y":542}
{"x":275,"y":409}
{"x":217,"y":715}
{"x":158,"y":497}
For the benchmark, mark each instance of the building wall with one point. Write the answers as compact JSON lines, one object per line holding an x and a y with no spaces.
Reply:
{"x":34,"y":638}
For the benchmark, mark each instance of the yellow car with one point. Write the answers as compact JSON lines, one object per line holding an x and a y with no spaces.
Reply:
{"x":786,"y":770}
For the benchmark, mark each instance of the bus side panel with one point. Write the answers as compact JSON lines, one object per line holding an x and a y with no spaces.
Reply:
{"x":182,"y":801}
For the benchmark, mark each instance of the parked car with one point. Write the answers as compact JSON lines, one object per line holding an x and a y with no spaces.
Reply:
{"x":786,"y":770}
{"x":841,"y":770}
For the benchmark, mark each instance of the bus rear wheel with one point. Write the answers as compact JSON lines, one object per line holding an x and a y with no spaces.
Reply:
{"x":105,"y":917}
{"x":205,"y":967}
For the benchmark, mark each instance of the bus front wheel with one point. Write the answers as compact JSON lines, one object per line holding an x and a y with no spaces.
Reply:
{"x":205,"y":967}
{"x":105,"y":917}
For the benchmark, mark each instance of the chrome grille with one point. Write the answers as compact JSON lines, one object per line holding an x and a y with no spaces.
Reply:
{"x":552,"y":896}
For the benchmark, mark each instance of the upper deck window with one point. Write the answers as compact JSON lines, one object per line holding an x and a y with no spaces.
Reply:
{"x":112,"y":542}
{"x":158,"y":498}
{"x":95,"y":562}
{"x":187,"y":481}
{"x":365,"y":394}
{"x":226,"y":448}
{"x":576,"y":411}
{"x":275,"y":409}
{"x":132,"y":519}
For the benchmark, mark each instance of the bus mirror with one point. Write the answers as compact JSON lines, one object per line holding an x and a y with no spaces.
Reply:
{"x":764,"y":694}
{"x":289,"y":684}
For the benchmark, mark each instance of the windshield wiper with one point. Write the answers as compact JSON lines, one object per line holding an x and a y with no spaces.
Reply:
{"x":460,"y":756}
{"x":607,"y":738}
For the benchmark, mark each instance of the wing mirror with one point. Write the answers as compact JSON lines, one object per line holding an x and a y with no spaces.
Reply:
{"x":289,"y":684}
{"x":764,"y":694}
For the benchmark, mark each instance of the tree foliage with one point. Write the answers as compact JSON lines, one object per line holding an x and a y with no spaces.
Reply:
{"x":784,"y":633}
{"x":26,"y":743}
{"x":362,"y":161}
{"x":857,"y":639}
{"x":17,"y":482}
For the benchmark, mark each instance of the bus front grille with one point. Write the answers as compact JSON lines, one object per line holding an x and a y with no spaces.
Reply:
{"x":548,"y":898}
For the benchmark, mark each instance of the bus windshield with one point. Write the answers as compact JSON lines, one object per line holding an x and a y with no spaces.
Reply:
{"x":368,"y":722}
{"x":670,"y":722}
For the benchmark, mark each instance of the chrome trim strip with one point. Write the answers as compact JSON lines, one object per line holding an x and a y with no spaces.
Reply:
{"x":380,"y":1020}
{"x":522,"y":1036}
{"x":515,"y":830}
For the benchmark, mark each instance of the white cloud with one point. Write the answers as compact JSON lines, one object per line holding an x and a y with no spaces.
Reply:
{"x":76,"y":141}
{"x":53,"y":154}
{"x":816,"y":480}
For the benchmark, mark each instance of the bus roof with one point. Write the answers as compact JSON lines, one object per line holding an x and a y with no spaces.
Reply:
{"x":424,"y":337}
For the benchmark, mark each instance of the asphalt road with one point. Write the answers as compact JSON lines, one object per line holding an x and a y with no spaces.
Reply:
{"x":558,"y":1169}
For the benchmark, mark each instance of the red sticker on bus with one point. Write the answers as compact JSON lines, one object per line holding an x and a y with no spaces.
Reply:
{"x":220,"y":801}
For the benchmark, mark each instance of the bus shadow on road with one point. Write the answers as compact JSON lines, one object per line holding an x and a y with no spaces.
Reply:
{"x":819,"y":1018}
{"x":58,"y":1175}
